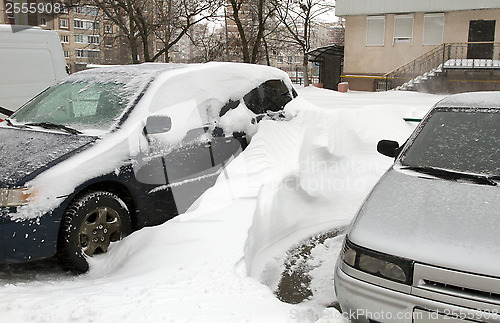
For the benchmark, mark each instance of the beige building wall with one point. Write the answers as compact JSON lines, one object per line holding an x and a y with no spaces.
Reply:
{"x":378,"y":60}
{"x":2,"y":12}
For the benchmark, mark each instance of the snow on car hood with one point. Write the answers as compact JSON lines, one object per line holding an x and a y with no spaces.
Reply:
{"x":23,"y":152}
{"x":433,"y":221}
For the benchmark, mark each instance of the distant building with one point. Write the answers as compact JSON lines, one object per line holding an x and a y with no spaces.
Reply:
{"x":408,"y":36}
{"x":11,"y":14}
{"x":86,"y":36}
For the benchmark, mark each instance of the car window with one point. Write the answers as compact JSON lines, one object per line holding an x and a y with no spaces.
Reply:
{"x":82,"y":105}
{"x":460,"y":140}
{"x":271,"y":95}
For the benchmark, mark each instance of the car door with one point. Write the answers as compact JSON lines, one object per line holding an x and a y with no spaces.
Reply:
{"x":225,"y":147}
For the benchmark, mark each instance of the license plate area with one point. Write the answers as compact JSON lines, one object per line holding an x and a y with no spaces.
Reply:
{"x":424,"y":316}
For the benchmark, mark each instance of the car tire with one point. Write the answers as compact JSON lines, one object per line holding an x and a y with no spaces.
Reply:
{"x":90,"y":223}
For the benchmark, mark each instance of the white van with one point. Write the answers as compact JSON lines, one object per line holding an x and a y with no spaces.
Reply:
{"x":31,"y":59}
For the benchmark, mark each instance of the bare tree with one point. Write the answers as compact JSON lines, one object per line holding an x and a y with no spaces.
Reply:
{"x":251,"y":18}
{"x":209,"y":42}
{"x":298,"y":18}
{"x":176,"y":17}
{"x":144,"y":22}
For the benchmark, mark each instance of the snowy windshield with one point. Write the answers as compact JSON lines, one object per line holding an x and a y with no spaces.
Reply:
{"x":463,"y":140}
{"x":83,"y":105}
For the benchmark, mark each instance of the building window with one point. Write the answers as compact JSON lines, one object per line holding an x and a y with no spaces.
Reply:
{"x":78,"y":24}
{"x":79,"y":9}
{"x":10,"y":13}
{"x":90,"y":25}
{"x":79,"y":52}
{"x":64,"y":39}
{"x":403,"y":28}
{"x":63,"y":23}
{"x":108,"y":29}
{"x":43,"y":22}
{"x":92,"y":53}
{"x":280,"y":59}
{"x":433,"y":29}
{"x":79,"y":38}
{"x":66,"y":54}
{"x":93,"y":40}
{"x":375,"y":30}
{"x":298,"y":59}
{"x":93,"y":11}
{"x":108,"y":41}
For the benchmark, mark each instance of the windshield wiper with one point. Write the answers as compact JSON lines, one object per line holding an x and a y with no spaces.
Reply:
{"x":10,"y":124}
{"x":452,"y":175}
{"x":50,"y":125}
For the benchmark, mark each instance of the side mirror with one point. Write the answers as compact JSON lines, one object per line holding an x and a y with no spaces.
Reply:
{"x":388,"y":148}
{"x":5,"y":111}
{"x":157,"y":124}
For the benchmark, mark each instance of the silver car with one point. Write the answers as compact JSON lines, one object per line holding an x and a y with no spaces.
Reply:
{"x":425,"y":245}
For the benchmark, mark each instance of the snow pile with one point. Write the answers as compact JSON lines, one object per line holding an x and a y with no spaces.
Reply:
{"x":195,"y":268}
{"x":336,"y":168}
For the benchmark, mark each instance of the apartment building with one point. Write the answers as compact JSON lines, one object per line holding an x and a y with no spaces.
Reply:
{"x":384,"y":35}
{"x":10,"y":12}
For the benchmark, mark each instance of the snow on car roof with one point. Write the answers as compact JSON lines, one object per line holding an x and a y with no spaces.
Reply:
{"x":151,"y":70}
{"x":471,"y":100}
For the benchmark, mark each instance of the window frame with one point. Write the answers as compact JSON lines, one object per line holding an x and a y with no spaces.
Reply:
{"x":79,"y":38}
{"x":79,"y":22}
{"x":432,"y":15}
{"x":64,"y":39}
{"x":400,"y":39}
{"x":63,"y":25}
{"x":90,"y":39}
{"x":369,"y":42}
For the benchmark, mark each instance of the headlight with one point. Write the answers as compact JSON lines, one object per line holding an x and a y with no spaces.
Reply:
{"x":378,"y":264}
{"x":14,"y":196}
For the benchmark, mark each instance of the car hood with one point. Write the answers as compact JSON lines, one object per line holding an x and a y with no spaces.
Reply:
{"x":434,"y":221}
{"x":25,"y":153}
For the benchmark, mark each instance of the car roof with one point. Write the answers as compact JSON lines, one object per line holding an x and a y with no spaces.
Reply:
{"x":146,"y":72}
{"x":471,"y":100}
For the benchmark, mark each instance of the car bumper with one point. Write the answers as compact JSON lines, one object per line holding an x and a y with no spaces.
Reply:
{"x":362,"y":301}
{"x":27,"y":240}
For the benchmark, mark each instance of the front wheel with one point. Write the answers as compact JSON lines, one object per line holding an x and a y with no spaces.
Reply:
{"x":89,"y":225}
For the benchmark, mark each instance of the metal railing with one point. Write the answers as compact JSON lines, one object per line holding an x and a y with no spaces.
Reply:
{"x":476,"y":55}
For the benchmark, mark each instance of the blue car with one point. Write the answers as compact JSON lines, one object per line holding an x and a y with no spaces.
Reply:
{"x":111,"y":150}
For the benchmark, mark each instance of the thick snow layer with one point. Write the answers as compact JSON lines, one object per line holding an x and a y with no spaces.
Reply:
{"x":188,"y":107}
{"x":336,"y":167}
{"x":201,"y":266}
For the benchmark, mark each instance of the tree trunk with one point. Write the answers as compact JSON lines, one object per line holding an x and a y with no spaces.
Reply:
{"x":305,"y":68}
{"x":133,"y":50}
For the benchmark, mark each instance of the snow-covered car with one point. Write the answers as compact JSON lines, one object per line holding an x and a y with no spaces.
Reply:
{"x":425,"y":245}
{"x":109,"y":151}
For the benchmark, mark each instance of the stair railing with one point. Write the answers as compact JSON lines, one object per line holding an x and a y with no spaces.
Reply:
{"x":441,"y":57}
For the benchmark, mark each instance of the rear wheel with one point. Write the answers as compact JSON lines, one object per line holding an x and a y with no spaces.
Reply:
{"x":90,"y":224}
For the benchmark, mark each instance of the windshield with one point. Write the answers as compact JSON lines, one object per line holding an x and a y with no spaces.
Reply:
{"x":462,"y":140}
{"x":82,"y":105}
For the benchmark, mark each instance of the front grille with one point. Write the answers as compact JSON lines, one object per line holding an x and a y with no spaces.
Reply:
{"x":453,"y":290}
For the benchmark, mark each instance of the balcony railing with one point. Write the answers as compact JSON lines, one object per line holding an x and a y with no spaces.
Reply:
{"x":477,"y":55}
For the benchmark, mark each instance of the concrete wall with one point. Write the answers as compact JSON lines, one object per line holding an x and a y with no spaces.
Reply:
{"x":378,"y":60}
{"x":374,"y":7}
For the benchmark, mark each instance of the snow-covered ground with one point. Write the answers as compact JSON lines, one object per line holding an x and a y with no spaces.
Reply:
{"x":220,"y":261}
